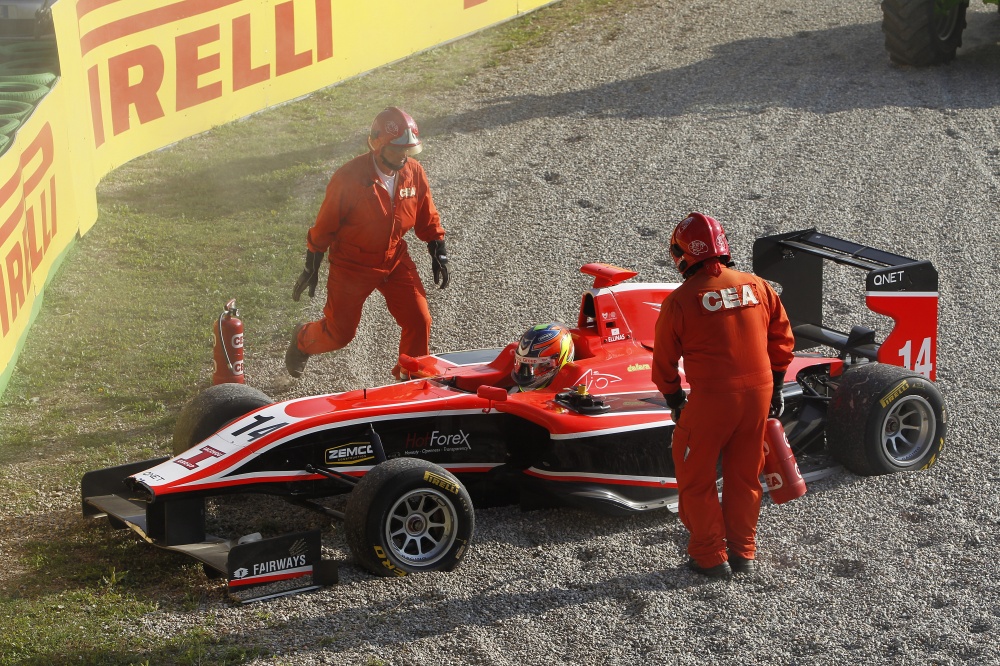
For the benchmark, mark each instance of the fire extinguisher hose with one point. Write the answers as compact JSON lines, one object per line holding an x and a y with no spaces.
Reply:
{"x":225,"y":347}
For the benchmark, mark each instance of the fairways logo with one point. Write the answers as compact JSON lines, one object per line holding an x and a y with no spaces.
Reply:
{"x":296,"y":558}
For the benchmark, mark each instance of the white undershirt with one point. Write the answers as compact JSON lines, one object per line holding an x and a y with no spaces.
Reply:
{"x":389,"y":182}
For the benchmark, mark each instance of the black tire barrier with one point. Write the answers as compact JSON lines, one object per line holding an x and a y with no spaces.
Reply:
{"x":34,"y":48}
{"x":23,"y":92}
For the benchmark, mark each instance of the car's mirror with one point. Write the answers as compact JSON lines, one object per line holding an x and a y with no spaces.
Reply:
{"x":494,"y":393}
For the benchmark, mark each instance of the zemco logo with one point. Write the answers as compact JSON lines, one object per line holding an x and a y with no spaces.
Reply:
{"x":350,"y":454}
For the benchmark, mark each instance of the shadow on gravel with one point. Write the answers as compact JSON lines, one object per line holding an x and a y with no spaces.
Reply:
{"x":403,"y":619}
{"x":838,"y":70}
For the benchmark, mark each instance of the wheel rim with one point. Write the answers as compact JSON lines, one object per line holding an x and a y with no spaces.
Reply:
{"x":945,"y":24}
{"x":421,"y":527}
{"x":908,"y":431}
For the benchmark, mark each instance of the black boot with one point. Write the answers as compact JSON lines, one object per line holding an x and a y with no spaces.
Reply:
{"x":295,"y":359}
{"x":720,"y":571}
{"x":742,"y":565}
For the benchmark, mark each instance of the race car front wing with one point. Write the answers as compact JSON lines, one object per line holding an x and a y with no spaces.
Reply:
{"x":255,"y":568}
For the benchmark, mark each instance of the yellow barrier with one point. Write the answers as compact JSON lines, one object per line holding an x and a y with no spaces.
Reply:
{"x":137,"y":75}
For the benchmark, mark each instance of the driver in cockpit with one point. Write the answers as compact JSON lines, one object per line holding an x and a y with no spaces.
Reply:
{"x":541,"y":352}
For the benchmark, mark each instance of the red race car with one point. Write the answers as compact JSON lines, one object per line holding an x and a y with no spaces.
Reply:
{"x":414,"y":456}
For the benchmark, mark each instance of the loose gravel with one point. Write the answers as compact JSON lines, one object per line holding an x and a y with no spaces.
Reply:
{"x":773,"y":116}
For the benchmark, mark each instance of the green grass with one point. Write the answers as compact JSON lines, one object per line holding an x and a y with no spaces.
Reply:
{"x":123,"y":340}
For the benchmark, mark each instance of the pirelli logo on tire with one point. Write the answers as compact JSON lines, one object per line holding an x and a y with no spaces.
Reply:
{"x":894,"y":393}
{"x":441,"y":482}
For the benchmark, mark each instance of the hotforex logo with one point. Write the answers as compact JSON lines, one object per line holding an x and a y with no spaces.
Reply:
{"x":438,"y":441}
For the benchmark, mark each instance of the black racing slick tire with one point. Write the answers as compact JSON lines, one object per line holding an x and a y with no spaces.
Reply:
{"x":213,"y":408}
{"x":918,"y":33}
{"x":884,"y":419}
{"x":409,"y":516}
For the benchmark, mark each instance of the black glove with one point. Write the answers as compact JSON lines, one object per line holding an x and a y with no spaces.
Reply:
{"x":439,"y":260}
{"x":309,"y":277}
{"x":777,"y":399}
{"x":676,"y":402}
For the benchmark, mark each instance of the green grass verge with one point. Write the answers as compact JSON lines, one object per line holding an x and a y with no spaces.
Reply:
{"x":122,"y":340}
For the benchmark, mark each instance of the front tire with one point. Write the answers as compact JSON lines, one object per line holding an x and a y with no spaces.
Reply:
{"x":213,"y":408}
{"x":885,"y":419}
{"x":916,"y":34}
{"x":409,"y":516}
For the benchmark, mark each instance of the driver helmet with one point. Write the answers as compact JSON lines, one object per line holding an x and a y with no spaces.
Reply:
{"x":541,"y":352}
{"x":394,"y":126}
{"x":698,"y":237}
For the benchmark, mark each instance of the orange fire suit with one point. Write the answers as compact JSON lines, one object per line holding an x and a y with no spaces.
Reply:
{"x":732,"y":333}
{"x":363,"y":228}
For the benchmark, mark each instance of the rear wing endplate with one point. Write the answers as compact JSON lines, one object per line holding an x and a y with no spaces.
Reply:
{"x":904,"y":289}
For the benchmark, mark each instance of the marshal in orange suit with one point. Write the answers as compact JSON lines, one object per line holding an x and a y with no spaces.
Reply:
{"x":736,"y":342}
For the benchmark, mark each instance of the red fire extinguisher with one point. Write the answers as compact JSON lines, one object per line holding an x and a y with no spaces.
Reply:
{"x":781,"y":472}
{"x":227,"y":350}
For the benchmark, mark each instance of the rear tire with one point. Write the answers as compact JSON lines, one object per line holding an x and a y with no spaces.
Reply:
{"x":885,"y":419}
{"x":212,"y":409}
{"x":408,"y":516}
{"x":915,"y":34}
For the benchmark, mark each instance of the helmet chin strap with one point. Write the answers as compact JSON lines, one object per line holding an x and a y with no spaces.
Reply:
{"x":386,"y":163}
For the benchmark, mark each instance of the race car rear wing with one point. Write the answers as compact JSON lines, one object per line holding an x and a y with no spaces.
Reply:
{"x":904,"y":289}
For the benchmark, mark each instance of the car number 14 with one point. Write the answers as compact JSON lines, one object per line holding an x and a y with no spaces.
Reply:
{"x":923,"y":364}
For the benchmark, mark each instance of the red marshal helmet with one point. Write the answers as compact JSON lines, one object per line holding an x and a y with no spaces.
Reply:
{"x":393,"y":126}
{"x":698,"y":237}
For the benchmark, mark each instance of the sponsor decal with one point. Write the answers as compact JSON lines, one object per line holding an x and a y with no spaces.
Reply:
{"x":351,"y":453}
{"x":884,"y":279}
{"x":387,"y":563}
{"x":773,"y":481}
{"x":720,"y":242}
{"x":186,"y":55}
{"x":296,"y":558}
{"x":615,"y":337}
{"x":595,"y":380}
{"x":204,"y":454}
{"x":438,"y":441}
{"x":29,"y":233}
{"x":889,"y":397}
{"x":405,"y":192}
{"x":441,"y":482}
{"x":639,"y":367}
{"x":730,"y":298}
